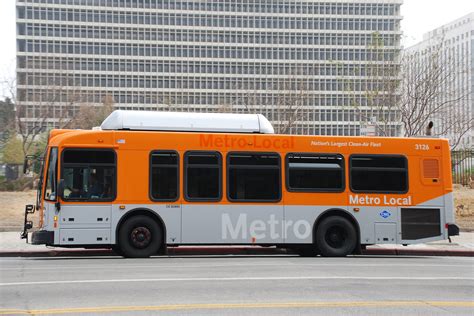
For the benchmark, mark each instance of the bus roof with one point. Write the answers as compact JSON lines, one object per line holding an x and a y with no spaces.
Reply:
{"x":184,"y":121}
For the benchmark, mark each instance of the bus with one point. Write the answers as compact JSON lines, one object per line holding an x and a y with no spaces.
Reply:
{"x":146,"y":181}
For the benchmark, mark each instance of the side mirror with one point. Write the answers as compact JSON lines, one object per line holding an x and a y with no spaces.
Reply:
{"x":61,"y":188}
{"x":59,"y":194}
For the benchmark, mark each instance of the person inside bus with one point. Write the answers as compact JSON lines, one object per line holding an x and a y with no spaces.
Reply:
{"x":95,"y":189}
{"x":107,"y":194}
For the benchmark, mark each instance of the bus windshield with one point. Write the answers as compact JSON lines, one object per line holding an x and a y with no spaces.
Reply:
{"x":50,"y":189}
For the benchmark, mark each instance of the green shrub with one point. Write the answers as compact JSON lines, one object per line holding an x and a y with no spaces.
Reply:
{"x":16,"y":185}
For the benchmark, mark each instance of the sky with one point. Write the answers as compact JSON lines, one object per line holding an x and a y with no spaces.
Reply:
{"x":419,"y":17}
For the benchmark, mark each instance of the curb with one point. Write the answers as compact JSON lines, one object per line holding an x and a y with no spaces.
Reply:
{"x":222,"y":251}
{"x":419,"y":252}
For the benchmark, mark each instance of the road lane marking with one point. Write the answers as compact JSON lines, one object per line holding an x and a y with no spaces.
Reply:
{"x":274,"y":305}
{"x":236,"y":279}
{"x":108,"y":267}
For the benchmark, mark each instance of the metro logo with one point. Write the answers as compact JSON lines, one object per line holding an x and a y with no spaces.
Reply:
{"x":245,"y":142}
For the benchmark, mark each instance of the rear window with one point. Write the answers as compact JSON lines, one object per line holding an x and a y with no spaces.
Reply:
{"x":378,"y":174}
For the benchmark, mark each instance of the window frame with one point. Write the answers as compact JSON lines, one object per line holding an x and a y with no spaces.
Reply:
{"x":280,"y":193}
{"x":150,"y":189}
{"x":405,"y":159}
{"x":185,"y":176}
{"x":47,"y":176}
{"x":114,"y":185}
{"x":302,"y":190}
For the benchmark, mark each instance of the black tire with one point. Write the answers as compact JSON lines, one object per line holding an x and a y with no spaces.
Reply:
{"x":307,"y":251}
{"x":117,"y":250}
{"x":336,"y":237}
{"x":140,"y":237}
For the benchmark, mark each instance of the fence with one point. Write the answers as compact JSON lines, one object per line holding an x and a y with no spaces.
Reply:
{"x":462,"y":166}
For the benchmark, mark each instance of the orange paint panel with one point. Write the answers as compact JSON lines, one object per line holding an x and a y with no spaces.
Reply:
{"x":133,"y":149}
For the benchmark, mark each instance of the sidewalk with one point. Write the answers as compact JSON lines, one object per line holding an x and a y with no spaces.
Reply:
{"x":463,"y":245}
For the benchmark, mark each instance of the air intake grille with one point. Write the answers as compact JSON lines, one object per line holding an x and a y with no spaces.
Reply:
{"x":419,"y":223}
{"x":430,"y":168}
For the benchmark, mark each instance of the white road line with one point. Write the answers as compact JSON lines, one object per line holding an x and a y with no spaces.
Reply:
{"x":118,"y":266}
{"x":235,"y":279}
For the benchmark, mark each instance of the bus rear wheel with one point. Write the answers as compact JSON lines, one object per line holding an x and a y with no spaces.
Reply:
{"x":307,"y":251}
{"x":140,"y":237}
{"x":336,"y":237}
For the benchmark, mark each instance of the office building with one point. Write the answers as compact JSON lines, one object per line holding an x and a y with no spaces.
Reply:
{"x":304,"y":62}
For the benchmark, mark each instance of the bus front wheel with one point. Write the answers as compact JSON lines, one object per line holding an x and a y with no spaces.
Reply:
{"x":140,"y":237}
{"x":336,"y":237}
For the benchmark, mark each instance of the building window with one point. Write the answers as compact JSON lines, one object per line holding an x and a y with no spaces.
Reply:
{"x":164,"y":175}
{"x":253,"y":177}
{"x":378,"y":174}
{"x":315,"y":172}
{"x":203,"y":176}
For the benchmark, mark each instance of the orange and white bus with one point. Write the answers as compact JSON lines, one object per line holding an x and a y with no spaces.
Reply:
{"x":147,"y":180}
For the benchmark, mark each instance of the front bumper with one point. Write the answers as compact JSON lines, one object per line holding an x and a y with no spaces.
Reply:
{"x":453,"y":230}
{"x":42,"y":237}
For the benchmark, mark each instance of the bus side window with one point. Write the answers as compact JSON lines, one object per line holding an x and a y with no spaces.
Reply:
{"x":379,"y":174}
{"x":253,"y":177}
{"x":89,"y":174}
{"x":203,"y":176}
{"x":164,"y":176}
{"x":308,"y":172}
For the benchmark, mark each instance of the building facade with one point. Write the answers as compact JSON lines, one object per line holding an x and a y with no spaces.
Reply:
{"x":308,"y":65}
{"x":446,"y":57}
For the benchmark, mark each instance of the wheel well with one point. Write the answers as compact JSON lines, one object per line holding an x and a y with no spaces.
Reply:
{"x":342,"y":213}
{"x":145,"y":212}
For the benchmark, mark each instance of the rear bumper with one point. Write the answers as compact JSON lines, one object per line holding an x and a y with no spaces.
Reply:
{"x":42,"y":237}
{"x":453,"y":230}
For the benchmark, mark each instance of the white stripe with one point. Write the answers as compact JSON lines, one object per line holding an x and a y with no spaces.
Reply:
{"x":236,"y":279}
{"x":192,"y":266}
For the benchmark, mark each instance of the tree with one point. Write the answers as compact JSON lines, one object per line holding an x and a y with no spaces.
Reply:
{"x":37,"y":110}
{"x":292,"y":96}
{"x":431,"y":92}
{"x":7,"y":120}
{"x":12,"y":151}
{"x":90,"y":116}
{"x":373,"y":88}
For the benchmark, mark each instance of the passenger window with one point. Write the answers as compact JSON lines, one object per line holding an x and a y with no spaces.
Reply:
{"x":89,"y":174}
{"x":253,"y":177}
{"x":203,"y":176}
{"x":315,"y":173}
{"x":379,"y":174}
{"x":164,"y":176}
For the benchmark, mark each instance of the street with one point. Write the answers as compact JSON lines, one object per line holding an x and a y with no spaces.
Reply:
{"x":238,"y":285}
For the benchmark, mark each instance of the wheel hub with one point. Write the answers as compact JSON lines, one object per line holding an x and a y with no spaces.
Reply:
{"x":140,"y":237}
{"x":336,"y":237}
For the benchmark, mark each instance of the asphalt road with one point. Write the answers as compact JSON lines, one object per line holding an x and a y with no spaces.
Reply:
{"x":237,"y":285}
